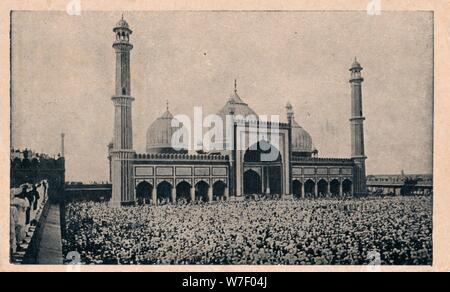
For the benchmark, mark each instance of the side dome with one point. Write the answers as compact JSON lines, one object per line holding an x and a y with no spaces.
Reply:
{"x":301,"y":140}
{"x":160,"y":133}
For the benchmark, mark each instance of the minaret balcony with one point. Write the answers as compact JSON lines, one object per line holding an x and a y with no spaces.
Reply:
{"x":123,"y":100}
{"x":357,"y":119}
{"x":356,"y":79}
{"x":122,"y":45}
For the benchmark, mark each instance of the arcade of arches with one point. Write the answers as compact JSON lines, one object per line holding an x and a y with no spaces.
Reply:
{"x":323,"y":188}
{"x":202,"y":192}
{"x":183,"y":192}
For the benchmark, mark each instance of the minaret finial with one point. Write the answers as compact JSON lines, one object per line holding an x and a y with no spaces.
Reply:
{"x":167,"y":105}
{"x":235,"y":85}
{"x":122,"y":16}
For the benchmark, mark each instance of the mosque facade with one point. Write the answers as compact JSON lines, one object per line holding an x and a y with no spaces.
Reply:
{"x":166,"y":173}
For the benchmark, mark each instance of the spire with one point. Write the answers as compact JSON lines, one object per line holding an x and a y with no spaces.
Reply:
{"x":356,"y":65}
{"x":167,"y":114}
{"x":62,"y":144}
{"x":235,"y":96}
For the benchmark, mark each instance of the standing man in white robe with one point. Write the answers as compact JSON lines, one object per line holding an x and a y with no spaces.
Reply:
{"x":22,"y":204}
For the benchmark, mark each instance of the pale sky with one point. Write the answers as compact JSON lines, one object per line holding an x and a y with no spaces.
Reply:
{"x":64,"y":73}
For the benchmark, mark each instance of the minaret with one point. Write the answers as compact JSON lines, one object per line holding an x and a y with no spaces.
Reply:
{"x":122,"y":153}
{"x":290,"y":118}
{"x":357,"y":130}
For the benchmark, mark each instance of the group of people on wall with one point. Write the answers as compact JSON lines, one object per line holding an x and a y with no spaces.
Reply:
{"x":26,"y":205}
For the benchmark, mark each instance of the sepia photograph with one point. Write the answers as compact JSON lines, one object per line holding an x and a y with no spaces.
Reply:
{"x":230,"y":138}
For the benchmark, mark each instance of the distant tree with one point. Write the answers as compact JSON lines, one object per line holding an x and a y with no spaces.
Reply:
{"x":409,"y":186}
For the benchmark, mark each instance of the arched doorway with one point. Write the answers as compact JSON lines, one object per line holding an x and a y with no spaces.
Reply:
{"x":297,"y":189}
{"x":263,"y":155}
{"x":164,"y":192}
{"x":143,"y":193}
{"x":252,"y":183}
{"x":183,"y":192}
{"x":334,"y":187}
{"x":347,"y":187}
{"x":322,"y":186}
{"x":262,"y":151}
{"x":310,"y":188}
{"x":219,"y":190}
{"x":201,"y":191}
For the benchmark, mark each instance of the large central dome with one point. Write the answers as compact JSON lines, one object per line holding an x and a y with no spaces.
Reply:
{"x":237,"y":107}
{"x":236,"y":104}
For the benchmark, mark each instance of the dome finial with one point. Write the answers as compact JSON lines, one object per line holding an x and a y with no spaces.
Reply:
{"x":356,"y":65}
{"x":290,"y":112}
{"x":167,"y":105}
{"x":235,"y":85}
{"x":289,"y":106}
{"x":123,"y":24}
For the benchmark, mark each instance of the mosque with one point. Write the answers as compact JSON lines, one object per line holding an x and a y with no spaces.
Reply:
{"x":164,"y":173}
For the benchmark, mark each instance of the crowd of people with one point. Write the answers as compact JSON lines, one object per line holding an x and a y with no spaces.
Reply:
{"x":302,"y":232}
{"x":25,"y":206}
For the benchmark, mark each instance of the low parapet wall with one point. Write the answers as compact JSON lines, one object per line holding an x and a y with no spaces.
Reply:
{"x":32,"y":251}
